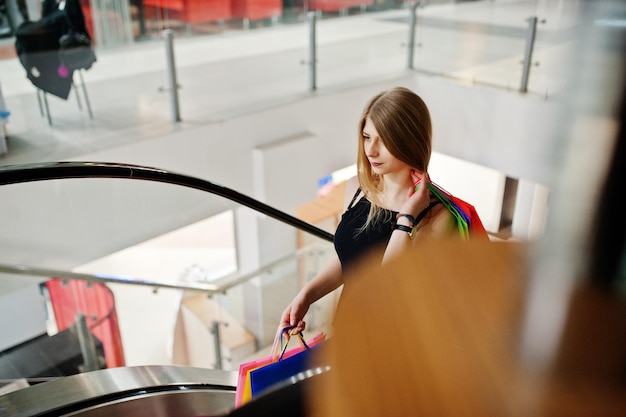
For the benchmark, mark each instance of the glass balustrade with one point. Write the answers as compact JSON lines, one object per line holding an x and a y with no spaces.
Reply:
{"x":485,"y":43}
{"x":232,"y":71}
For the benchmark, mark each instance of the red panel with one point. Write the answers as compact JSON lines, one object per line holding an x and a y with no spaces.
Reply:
{"x":198,"y":11}
{"x":189,"y":11}
{"x":335,"y":5}
{"x":257,"y":9}
{"x":165,"y":4}
{"x":86,"y":9}
{"x":96,"y":302}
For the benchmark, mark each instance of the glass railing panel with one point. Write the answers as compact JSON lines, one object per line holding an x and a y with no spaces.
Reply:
{"x":219,"y":77}
{"x":86,"y":219}
{"x":145,"y":325}
{"x":271,"y":74}
{"x":229,"y":74}
{"x":554,"y":51}
{"x":371,"y":50}
{"x":470,"y":46}
{"x":465,"y":46}
{"x":245,"y":317}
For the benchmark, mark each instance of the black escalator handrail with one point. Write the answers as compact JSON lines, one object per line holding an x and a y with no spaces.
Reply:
{"x":13,"y":174}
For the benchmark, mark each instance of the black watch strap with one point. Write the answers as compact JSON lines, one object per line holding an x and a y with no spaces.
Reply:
{"x":403,"y":228}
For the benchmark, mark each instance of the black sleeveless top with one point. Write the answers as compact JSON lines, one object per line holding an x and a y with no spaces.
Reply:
{"x":351,"y":245}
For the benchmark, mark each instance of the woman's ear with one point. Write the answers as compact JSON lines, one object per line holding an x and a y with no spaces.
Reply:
{"x":416,"y":176}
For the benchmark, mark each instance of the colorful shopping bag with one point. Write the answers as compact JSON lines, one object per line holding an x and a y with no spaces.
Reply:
{"x":476,"y":229}
{"x":466,"y":218}
{"x":266,"y":377}
{"x":243,"y":392}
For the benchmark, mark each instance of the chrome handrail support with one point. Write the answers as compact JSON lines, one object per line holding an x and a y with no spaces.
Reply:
{"x":312,"y":18}
{"x":215,"y":330}
{"x":168,"y":34}
{"x":528,"y":54}
{"x":412,"y":23}
{"x":87,"y":345}
{"x":84,"y":88}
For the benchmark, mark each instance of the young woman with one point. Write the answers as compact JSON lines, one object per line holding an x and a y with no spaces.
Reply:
{"x":385,"y":214}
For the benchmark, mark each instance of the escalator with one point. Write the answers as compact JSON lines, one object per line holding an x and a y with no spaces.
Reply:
{"x":128,"y":391}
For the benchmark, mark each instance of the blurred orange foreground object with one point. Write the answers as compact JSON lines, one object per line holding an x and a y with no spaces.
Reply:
{"x":440,"y":332}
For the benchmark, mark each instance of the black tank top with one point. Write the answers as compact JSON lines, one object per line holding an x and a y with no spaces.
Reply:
{"x":351,"y":245}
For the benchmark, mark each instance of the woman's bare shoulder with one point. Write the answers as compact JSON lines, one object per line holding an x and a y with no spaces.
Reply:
{"x":352,"y":185}
{"x":438,"y":223}
{"x":442,"y":221}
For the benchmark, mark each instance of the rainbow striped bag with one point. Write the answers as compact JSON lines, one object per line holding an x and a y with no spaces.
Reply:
{"x":466,"y":218}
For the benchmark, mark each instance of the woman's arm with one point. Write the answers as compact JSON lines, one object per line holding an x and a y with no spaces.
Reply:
{"x":329,"y":279}
{"x":438,"y":224}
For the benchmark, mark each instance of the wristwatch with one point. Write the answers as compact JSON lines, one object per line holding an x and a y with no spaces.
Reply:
{"x":410,"y":230}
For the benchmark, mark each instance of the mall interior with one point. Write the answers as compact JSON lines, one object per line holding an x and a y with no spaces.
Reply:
{"x":165,"y":195}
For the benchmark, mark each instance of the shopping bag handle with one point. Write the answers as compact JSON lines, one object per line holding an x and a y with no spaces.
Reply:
{"x":279,"y":335}
{"x":286,"y":330}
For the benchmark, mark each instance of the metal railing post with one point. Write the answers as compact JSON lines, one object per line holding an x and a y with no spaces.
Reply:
{"x":311,"y":16}
{"x":412,"y":24}
{"x":171,"y":74}
{"x":87,"y":345}
{"x":84,"y":88}
{"x":215,"y":330}
{"x":528,"y":54}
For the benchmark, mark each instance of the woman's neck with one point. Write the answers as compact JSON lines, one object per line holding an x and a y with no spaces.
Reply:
{"x":395,"y":191}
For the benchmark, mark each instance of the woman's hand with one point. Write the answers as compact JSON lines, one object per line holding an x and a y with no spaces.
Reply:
{"x":418,"y":196}
{"x":295,"y":312}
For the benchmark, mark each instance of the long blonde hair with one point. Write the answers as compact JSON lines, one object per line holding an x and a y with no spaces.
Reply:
{"x":402,"y":120}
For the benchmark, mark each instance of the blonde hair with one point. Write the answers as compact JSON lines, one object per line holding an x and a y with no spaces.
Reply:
{"x":402,"y":120}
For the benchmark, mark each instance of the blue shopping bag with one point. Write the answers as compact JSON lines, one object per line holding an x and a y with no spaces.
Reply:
{"x":281,"y":371}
